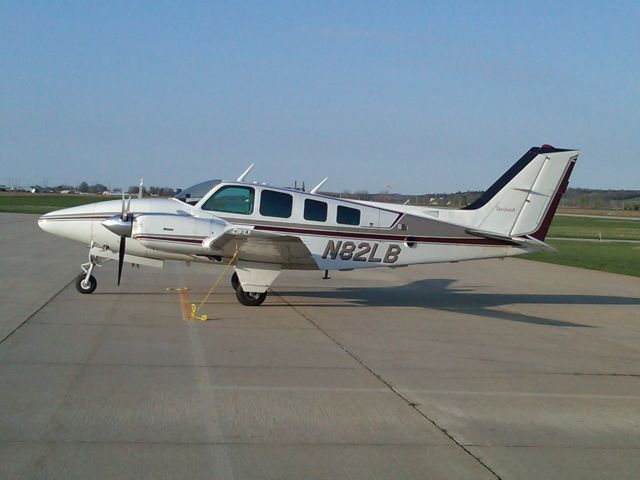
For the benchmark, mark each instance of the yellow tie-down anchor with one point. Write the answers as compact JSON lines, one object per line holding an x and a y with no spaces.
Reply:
{"x":194,"y":313}
{"x":190,"y":310}
{"x":185,"y":302}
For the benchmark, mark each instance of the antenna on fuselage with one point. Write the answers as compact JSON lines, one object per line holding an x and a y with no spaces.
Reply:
{"x":245,"y":173}
{"x":317,"y":187}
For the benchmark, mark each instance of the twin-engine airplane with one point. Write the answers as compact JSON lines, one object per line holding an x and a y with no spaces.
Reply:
{"x":266,"y":229}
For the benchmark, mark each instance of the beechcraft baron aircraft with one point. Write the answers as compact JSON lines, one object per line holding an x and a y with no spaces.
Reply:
{"x":266,"y":229}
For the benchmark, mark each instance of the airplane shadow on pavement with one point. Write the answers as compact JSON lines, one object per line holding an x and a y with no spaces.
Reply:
{"x":440,"y":294}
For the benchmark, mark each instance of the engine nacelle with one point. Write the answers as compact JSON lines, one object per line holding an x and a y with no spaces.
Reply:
{"x":178,"y":233}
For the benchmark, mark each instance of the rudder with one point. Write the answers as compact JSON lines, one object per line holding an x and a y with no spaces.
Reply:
{"x":522,"y":202}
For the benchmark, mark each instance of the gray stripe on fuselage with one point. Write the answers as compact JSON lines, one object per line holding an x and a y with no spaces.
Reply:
{"x":416,"y":227}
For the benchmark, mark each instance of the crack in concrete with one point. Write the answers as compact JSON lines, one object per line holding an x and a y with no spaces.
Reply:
{"x":38,"y":310}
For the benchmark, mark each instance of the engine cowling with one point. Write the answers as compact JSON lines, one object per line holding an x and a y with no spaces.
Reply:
{"x":178,"y":233}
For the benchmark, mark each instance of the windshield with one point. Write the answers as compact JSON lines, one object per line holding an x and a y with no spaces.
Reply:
{"x":194,"y":194}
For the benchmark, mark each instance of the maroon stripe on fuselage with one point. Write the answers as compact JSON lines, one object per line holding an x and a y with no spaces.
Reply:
{"x":397,"y":238}
{"x":167,"y":239}
{"x":73,"y":218}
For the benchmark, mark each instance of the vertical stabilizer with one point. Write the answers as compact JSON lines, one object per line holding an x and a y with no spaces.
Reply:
{"x":523,"y":201}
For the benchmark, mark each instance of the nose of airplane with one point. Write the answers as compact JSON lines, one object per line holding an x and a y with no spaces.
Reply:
{"x":74,"y":223}
{"x":44,"y":222}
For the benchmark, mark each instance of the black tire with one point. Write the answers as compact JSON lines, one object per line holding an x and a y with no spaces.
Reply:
{"x":250,"y":299}
{"x":87,"y":289}
{"x":235,"y":281}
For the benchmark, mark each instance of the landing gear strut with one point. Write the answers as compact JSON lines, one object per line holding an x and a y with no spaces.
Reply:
{"x":85,"y":282}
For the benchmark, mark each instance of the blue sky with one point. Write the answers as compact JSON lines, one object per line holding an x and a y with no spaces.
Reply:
{"x":423,"y":96}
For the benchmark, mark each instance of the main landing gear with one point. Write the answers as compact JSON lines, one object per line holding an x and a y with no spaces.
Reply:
{"x":85,"y":282}
{"x":249,"y":299}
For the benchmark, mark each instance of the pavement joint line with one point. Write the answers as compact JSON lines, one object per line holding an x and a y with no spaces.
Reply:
{"x":153,"y":365}
{"x":173,"y":327}
{"x":587,"y":374}
{"x":38,"y":310}
{"x":267,"y":443}
{"x":595,"y":396}
{"x":303,"y":367}
{"x":553,"y":447}
{"x":411,"y":404}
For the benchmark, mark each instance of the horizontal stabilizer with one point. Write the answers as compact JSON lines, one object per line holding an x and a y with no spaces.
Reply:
{"x":527,"y":241}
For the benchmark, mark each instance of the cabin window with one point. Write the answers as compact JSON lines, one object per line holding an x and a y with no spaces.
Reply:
{"x":348,"y":216}
{"x":231,"y":200}
{"x":315,"y":210}
{"x":275,"y":204}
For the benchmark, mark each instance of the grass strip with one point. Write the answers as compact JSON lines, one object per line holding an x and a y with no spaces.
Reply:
{"x":45,"y":203}
{"x":610,"y":257}
{"x":593,"y":228}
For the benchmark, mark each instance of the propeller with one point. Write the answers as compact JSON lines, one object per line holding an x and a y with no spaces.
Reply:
{"x":121,"y":225}
{"x":123,"y":239}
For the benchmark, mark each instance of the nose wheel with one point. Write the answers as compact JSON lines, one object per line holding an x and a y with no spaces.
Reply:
{"x":86,"y":285}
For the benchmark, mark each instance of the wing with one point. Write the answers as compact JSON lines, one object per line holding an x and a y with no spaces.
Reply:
{"x":265,"y":247}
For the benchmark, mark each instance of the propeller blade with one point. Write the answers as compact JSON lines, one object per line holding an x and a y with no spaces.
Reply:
{"x":123,"y":241}
{"x":124,"y":209}
{"x":128,"y":208}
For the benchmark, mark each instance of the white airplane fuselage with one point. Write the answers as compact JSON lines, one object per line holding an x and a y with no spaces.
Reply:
{"x":380,"y":241}
{"x":266,"y":229}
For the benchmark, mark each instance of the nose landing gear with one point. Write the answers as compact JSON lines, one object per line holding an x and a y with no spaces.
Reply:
{"x":85,"y":282}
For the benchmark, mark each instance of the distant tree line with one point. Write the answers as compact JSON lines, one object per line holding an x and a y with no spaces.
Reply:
{"x":99,"y":189}
{"x":582,"y":198}
{"x":154,"y":191}
{"x":601,"y":199}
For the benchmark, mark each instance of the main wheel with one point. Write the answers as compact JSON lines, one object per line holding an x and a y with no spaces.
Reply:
{"x":235,"y":281}
{"x":86,"y":287}
{"x":250,"y":299}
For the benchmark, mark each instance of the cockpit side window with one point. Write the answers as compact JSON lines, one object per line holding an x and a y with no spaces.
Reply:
{"x":231,"y":199}
{"x":315,"y":210}
{"x":348,"y":216}
{"x":275,"y":204}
